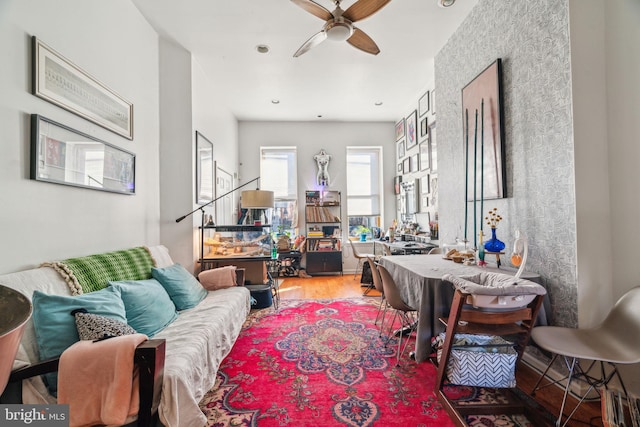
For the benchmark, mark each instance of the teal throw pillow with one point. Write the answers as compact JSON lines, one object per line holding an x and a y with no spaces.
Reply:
{"x":184,"y":289}
{"x":147,"y":305}
{"x":55,"y":326}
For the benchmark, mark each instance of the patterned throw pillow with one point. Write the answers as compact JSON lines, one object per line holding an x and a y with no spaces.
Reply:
{"x":93,"y":326}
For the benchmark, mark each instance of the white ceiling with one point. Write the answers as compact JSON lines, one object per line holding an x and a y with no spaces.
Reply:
{"x":333,"y":80}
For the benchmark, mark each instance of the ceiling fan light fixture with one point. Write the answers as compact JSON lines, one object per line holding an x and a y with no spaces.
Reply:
{"x":446,"y":3}
{"x":338,"y":31}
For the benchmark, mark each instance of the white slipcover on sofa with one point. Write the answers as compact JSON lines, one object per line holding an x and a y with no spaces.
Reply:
{"x":196,"y":342}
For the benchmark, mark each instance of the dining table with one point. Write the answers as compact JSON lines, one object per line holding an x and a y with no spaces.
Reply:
{"x":419,"y":280}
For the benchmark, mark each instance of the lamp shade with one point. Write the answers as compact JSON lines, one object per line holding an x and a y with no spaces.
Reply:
{"x":257,"y":199}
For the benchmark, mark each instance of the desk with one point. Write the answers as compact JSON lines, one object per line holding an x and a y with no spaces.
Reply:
{"x":402,"y":247}
{"x":419,"y":279}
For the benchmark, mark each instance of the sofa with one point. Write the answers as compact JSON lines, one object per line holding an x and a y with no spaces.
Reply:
{"x":194,"y":342}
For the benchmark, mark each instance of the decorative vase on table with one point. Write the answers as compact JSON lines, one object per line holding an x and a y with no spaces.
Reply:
{"x":493,"y":244}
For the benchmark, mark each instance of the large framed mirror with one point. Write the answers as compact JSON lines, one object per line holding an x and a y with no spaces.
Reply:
{"x":62,"y":155}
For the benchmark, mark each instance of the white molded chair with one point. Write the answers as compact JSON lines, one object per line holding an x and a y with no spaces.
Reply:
{"x":402,"y":310}
{"x":437,"y":250}
{"x":377,"y":284}
{"x":614,"y":341}
{"x":360,"y":257}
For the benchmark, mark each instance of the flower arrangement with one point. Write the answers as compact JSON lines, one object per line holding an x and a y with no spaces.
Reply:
{"x":493,"y":218}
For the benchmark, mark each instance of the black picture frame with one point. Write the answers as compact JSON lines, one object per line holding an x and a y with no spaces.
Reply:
{"x":424,"y":156}
{"x":484,"y":95}
{"x":62,"y":155}
{"x":412,"y":130}
{"x":415,"y":163}
{"x":423,"y":104}
{"x":397,"y":180}
{"x":401,"y":150}
{"x":424,"y":129}
{"x":400,"y":129}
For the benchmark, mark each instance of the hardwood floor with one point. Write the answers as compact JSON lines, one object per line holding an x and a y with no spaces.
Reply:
{"x":345,"y":286}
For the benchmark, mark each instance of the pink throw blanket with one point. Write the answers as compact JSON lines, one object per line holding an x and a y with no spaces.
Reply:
{"x":98,"y":382}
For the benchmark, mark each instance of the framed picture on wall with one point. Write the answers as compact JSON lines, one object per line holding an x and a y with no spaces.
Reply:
{"x":204,"y":169}
{"x":400,"y":167}
{"x":424,"y":185}
{"x":406,"y":165}
{"x":423,"y":104}
{"x":63,"y":83}
{"x":424,"y":156}
{"x":424,"y":203}
{"x":482,"y":98}
{"x":424,"y":129}
{"x":401,"y":149}
{"x":412,"y":130}
{"x":433,"y":147}
{"x":415,"y":166}
{"x":400,"y":129}
{"x":397,"y":181}
{"x":57,"y":150}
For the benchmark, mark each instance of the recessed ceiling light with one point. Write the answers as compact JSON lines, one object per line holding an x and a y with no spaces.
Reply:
{"x":275,"y":101}
{"x":446,"y":3}
{"x":379,"y":103}
{"x":262,"y":48}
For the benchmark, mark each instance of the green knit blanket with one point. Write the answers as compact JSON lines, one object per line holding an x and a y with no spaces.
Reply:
{"x":93,"y":272}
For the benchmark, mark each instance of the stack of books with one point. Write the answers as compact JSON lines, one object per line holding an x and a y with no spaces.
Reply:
{"x":320,"y":214}
{"x":619,"y":411}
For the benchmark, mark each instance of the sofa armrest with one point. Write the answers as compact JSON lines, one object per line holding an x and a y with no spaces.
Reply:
{"x":148,"y":357}
{"x":40,"y":368}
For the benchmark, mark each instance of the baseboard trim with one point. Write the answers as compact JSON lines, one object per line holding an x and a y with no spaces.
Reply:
{"x":578,"y":387}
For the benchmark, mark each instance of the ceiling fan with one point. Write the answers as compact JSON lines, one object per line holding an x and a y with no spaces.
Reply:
{"x":339,"y":24}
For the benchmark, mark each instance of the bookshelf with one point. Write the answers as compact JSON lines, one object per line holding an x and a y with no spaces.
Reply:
{"x":323,"y":212}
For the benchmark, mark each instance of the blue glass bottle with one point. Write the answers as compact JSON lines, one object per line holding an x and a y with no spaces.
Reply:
{"x":493,"y":244}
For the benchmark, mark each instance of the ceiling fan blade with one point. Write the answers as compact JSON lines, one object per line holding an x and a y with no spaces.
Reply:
{"x":363,"y":9}
{"x":314,"y":41}
{"x":314,"y":9}
{"x":362,"y":41}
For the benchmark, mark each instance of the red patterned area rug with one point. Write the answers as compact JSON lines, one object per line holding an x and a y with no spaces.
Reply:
{"x":321,"y":363}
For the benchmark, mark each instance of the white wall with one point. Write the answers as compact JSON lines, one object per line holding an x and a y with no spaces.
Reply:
{"x":622,"y":39}
{"x":112,"y":42}
{"x":176,"y":153}
{"x":187,"y":105}
{"x":309,"y":138}
{"x":593,"y":212}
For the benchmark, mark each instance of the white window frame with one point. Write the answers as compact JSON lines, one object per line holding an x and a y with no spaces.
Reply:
{"x":376,"y":177}
{"x":267,"y":178}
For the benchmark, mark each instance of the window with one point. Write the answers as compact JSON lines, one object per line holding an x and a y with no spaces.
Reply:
{"x":279,"y":173}
{"x":364,"y":189}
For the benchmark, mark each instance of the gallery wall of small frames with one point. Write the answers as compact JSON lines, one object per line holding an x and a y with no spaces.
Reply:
{"x":417,"y":158}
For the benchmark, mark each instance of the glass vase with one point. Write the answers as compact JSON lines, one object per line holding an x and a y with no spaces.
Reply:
{"x":493,"y":244}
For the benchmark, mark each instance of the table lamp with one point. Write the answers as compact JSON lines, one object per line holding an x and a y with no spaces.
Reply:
{"x":256,"y":201}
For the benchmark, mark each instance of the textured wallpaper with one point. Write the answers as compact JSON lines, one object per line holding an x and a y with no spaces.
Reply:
{"x":532,"y":38}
